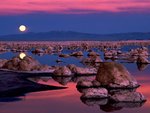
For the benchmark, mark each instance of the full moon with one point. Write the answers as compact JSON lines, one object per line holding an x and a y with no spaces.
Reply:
{"x":22,"y":55}
{"x":22,"y":28}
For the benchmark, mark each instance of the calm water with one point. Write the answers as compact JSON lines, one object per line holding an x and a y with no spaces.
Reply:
{"x":68,"y":100}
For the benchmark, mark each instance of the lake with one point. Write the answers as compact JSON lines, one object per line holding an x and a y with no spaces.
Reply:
{"x":68,"y":100}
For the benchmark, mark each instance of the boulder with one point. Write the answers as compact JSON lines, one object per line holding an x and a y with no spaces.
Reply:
{"x":62,"y":71}
{"x":95,"y":93}
{"x":115,"y":75}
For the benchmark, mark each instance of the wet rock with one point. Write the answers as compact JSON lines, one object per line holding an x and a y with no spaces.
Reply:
{"x":115,"y":75}
{"x":81,"y":70}
{"x":142,"y":60}
{"x":79,"y":53}
{"x":62,"y":71}
{"x":98,"y":93}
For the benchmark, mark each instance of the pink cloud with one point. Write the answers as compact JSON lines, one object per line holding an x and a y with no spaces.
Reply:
{"x":73,"y":6}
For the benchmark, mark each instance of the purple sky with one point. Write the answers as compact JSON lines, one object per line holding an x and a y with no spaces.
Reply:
{"x":92,"y":16}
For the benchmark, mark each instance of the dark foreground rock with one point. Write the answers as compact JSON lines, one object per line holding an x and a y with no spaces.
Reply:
{"x":13,"y":84}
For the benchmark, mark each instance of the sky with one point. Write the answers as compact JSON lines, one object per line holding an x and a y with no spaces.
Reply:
{"x":91,"y":16}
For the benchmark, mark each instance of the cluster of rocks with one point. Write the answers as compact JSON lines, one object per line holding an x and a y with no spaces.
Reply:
{"x":74,"y":70}
{"x":112,"y":54}
{"x":25,"y":64}
{"x":30,"y":64}
{"x":138,"y":55}
{"x":113,"y":82}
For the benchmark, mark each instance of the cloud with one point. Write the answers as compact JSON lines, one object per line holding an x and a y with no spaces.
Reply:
{"x":72,"y":6}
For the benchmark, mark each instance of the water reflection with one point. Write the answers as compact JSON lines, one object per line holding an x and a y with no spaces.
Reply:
{"x":14,"y":84}
{"x":142,"y":67}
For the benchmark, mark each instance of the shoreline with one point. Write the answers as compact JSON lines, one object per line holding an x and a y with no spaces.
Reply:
{"x":76,"y":43}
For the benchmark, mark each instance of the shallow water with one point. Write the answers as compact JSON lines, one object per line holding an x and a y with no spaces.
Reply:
{"x":68,"y":100}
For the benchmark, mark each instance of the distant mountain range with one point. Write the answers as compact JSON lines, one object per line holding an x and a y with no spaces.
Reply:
{"x":73,"y":36}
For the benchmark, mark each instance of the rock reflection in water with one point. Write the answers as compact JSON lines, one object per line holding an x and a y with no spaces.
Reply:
{"x":142,"y":67}
{"x":15,"y":84}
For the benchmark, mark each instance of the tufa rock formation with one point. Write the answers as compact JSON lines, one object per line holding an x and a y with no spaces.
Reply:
{"x":114,"y":75}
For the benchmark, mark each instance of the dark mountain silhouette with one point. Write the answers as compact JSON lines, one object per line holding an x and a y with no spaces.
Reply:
{"x":72,"y":36}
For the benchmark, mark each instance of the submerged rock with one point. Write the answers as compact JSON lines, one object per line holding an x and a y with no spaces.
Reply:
{"x":95,"y":93}
{"x":127,"y":96}
{"x":115,"y":75}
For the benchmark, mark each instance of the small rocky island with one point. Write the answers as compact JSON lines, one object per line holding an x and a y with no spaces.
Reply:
{"x":113,"y":85}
